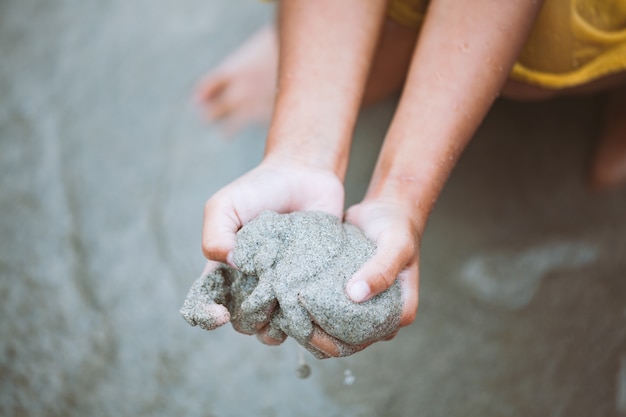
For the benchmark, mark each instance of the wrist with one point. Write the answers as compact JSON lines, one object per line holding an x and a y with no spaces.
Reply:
{"x":286,"y":161}
{"x":408,"y":182}
{"x":406,"y":194}
{"x":297,"y":141}
{"x":413,"y":168}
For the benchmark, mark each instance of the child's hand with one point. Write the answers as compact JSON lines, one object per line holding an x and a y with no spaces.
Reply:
{"x":392,"y":226}
{"x":280,"y":186}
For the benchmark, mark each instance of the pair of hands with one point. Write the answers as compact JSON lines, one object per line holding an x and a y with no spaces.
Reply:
{"x":286,"y":187}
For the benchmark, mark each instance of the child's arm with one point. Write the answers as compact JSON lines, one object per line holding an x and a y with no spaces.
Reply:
{"x":325,"y":50}
{"x":326,"y":47}
{"x":462,"y":59}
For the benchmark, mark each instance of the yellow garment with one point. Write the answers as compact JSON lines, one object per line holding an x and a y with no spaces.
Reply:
{"x":572,"y":42}
{"x":408,"y":12}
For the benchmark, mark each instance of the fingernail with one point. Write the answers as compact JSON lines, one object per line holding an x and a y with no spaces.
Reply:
{"x":358,"y":291}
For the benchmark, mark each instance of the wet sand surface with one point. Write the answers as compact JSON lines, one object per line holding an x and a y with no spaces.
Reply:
{"x":104,"y":169}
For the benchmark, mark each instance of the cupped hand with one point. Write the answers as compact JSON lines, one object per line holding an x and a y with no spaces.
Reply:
{"x":280,"y":186}
{"x":393,"y":226}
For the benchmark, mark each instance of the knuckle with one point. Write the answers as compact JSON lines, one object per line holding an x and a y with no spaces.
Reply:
{"x":406,"y":248}
{"x":387,"y":277}
{"x":383,"y":276}
{"x":213,"y":250}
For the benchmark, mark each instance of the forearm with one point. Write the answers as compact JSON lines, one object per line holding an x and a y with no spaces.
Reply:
{"x":326,"y":47}
{"x":463,"y":58}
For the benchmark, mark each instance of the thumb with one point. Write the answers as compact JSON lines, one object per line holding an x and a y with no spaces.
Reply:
{"x":379,"y":273}
{"x":219,"y":230}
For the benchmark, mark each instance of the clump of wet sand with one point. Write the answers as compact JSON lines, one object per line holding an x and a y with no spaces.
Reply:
{"x":292,"y":274}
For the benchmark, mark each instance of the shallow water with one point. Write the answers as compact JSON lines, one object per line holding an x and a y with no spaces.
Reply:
{"x":104,"y":169}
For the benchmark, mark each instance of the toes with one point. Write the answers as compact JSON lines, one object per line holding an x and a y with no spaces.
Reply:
{"x":219,"y":108}
{"x":211,"y":87}
{"x":215,"y":96}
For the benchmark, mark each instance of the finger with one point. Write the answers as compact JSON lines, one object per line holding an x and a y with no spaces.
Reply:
{"x":331,"y":346}
{"x":409,"y":285}
{"x":206,"y":316}
{"x":219,"y":229}
{"x":323,"y":342}
{"x":252,"y":317}
{"x":316,"y":352}
{"x":391,"y":336}
{"x":257,"y":309}
{"x":252,"y":322}
{"x":200,"y":307}
{"x":377,"y":274}
{"x":269,"y":336}
{"x":218,"y":314}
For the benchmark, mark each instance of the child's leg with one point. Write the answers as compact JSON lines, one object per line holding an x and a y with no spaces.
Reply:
{"x":609,"y":162}
{"x":241,"y":89}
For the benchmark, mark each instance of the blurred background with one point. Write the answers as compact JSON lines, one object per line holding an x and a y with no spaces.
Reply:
{"x":105,"y":165}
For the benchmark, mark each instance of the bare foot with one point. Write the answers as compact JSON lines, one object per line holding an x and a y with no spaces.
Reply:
{"x":609,"y":164}
{"x":241,"y":90}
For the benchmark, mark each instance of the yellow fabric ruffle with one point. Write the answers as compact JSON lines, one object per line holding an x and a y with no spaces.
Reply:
{"x":572,"y":42}
{"x":408,"y":13}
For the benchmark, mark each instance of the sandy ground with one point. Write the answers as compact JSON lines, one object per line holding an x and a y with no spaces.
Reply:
{"x":104,"y":168}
